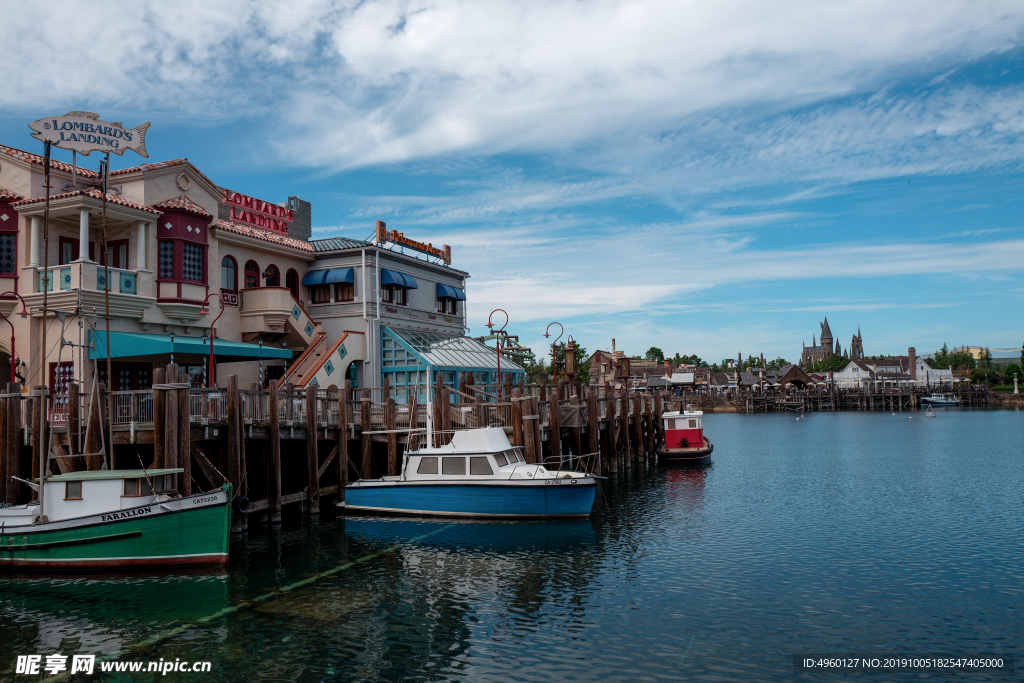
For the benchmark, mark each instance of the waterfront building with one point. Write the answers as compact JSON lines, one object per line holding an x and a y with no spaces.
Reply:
{"x":304,"y":311}
{"x":892,"y":371}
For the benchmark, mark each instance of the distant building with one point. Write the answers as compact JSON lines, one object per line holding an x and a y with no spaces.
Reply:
{"x":894,"y":371}
{"x":818,"y":352}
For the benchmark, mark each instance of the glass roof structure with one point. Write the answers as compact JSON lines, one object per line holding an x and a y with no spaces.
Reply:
{"x":446,"y":351}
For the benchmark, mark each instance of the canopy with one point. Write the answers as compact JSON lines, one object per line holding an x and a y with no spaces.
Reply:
{"x":447,"y":292}
{"x":134,"y":344}
{"x":390,"y":277}
{"x":437,"y":350}
{"x":327,"y":277}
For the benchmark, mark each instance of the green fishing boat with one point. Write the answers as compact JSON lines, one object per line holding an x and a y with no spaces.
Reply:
{"x":115,"y":519}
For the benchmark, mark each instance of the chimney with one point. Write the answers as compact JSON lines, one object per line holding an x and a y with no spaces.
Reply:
{"x":912,"y":356}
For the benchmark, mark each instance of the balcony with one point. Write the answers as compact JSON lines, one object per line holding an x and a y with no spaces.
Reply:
{"x":131,"y":291}
{"x":274,"y":314}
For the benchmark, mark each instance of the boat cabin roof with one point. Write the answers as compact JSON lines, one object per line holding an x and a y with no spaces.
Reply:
{"x":683,"y":413}
{"x":94,"y":475}
{"x":487,"y":440}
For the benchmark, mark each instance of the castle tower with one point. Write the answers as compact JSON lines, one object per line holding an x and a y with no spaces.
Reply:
{"x":826,"y":339}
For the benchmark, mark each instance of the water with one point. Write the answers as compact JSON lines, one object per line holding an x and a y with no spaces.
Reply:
{"x":838,"y":533}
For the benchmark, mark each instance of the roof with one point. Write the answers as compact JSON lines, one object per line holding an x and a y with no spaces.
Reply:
{"x":342,"y":243}
{"x":7,"y":194}
{"x":825,"y":332}
{"x":93,"y":475}
{"x":265,"y":235}
{"x":183,"y":203}
{"x":156,"y":166}
{"x":38,"y":159}
{"x":434,"y":349}
{"x":95,"y":194}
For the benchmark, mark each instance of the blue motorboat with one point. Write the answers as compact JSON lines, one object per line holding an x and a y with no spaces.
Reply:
{"x":478,"y":474}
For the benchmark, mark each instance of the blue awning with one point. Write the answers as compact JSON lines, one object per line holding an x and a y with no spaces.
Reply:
{"x":327,"y":277}
{"x":135,"y":344}
{"x":449,"y":292}
{"x":390,"y":277}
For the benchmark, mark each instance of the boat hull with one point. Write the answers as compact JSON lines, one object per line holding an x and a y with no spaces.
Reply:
{"x":928,"y":400}
{"x":185,"y":532}
{"x":541,"y":499}
{"x":687,"y":456}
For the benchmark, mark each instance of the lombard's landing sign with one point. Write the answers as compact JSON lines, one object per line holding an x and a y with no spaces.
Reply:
{"x":83,"y":132}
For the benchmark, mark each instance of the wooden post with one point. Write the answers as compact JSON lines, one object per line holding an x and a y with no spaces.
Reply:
{"x":577,"y":443}
{"x":593,"y":430}
{"x":74,"y":419}
{"x":312,"y":455}
{"x":364,"y":423}
{"x":234,"y":436}
{"x":624,"y":413}
{"x":184,"y":459}
{"x":159,"y":422}
{"x":554,"y":425}
{"x":638,"y":426}
{"x":507,"y":394}
{"x":171,"y":420}
{"x":438,"y":408}
{"x":342,"y":466}
{"x":481,"y":412}
{"x":5,"y":451}
{"x":613,"y":427}
{"x":517,"y":418}
{"x":275,"y":454}
{"x":446,"y":416}
{"x":391,"y":424}
{"x":463,"y":383}
{"x":538,"y":444}
{"x":659,"y":429}
{"x":530,"y":444}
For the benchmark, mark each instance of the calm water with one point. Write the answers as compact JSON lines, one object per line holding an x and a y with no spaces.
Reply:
{"x":838,"y":533}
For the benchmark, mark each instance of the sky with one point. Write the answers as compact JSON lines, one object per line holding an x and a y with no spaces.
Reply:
{"x":706,"y":178}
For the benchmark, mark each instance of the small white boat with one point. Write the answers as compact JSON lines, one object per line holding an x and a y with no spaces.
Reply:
{"x":930,"y":412}
{"x":940,"y":400}
{"x":479,"y":474}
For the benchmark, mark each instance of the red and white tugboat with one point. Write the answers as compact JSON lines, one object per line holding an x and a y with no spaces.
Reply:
{"x":685,"y":442}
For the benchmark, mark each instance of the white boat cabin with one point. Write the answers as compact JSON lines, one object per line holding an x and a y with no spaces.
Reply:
{"x":474,"y":454}
{"x":82,"y":494}
{"x":684,"y":429}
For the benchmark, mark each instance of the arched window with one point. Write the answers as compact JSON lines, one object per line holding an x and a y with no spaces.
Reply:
{"x":252,"y":275}
{"x":291,"y":281}
{"x":272,"y":277}
{"x":228,"y":274}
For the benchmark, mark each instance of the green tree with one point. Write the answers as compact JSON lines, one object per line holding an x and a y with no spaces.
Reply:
{"x":940,"y":359}
{"x":655,"y":354}
{"x":582,"y":362}
{"x":962,"y":358}
{"x":1009,"y":370}
{"x":778,"y":363}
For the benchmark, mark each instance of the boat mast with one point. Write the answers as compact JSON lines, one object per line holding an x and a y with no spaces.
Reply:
{"x":41,"y":454}
{"x":109,"y":457}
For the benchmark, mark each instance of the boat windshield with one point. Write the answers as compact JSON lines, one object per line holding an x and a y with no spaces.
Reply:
{"x":500,"y":459}
{"x":514,"y":456}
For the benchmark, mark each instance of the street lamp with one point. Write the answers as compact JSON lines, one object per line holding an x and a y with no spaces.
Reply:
{"x":570,"y":359}
{"x":24,"y":311}
{"x":497,"y":345}
{"x":561,"y":331}
{"x":171,"y":335}
{"x":209,"y":382}
{"x":259,"y":342}
{"x":624,"y":370}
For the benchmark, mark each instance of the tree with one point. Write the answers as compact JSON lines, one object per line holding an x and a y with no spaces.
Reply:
{"x":940,"y":359}
{"x":582,"y":362}
{"x":655,"y":354}
{"x":778,"y":363}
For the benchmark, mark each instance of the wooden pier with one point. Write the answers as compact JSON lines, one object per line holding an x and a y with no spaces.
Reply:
{"x":282,"y":446}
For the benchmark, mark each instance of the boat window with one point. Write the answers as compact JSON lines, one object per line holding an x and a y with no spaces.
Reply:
{"x":500,"y":459}
{"x":479,"y":465}
{"x":165,"y":484}
{"x":428,"y":465}
{"x":519,"y":455}
{"x":514,"y":456}
{"x":145,"y":488}
{"x":453,"y":465}
{"x":73,"y":490}
{"x":131,"y":487}
{"x":693,"y":424}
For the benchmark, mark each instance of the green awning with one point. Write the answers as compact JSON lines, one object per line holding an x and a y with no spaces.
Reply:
{"x":135,"y":344}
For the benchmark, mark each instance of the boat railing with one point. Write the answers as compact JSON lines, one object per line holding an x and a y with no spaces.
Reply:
{"x":570,"y":463}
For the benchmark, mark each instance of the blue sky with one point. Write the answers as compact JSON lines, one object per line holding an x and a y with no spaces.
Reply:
{"x":708,"y":180}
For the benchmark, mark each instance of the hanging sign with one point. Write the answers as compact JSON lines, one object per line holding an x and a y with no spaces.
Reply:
{"x":384,"y":236}
{"x":83,"y":132}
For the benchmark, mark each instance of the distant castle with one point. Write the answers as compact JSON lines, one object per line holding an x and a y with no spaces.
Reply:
{"x":815,"y":353}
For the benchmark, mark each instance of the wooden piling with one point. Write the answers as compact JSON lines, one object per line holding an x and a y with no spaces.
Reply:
{"x":530,"y":444}
{"x":275,"y":454}
{"x":554,"y":425}
{"x":38,"y":397}
{"x":171,"y":420}
{"x":638,"y":426}
{"x":613,"y":427}
{"x":342,"y":465}
{"x":575,"y":433}
{"x":538,"y":451}
{"x":184,"y":459}
{"x":593,"y":430}
{"x":436,"y":406}
{"x":364,"y":423}
{"x":446,"y":416}
{"x":159,"y":425}
{"x":312,"y":455}
{"x":391,"y":424}
{"x":481,"y":411}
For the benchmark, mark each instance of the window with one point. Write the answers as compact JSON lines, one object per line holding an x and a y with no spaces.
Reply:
{"x":117,"y":254}
{"x":393,"y":294}
{"x":137,"y":487}
{"x":73,"y":490}
{"x":693,"y":424}
{"x":228,"y":274}
{"x":479,"y":465}
{"x":453,"y":465}
{"x":192,"y":262}
{"x":291,"y":281}
{"x":272,"y":278}
{"x":346,"y":292}
{"x":387,"y":294}
{"x":442,"y":304}
{"x":453,"y":305}
{"x":8,"y":253}
{"x":166,"y":258}
{"x":428,"y":465}
{"x":500,"y":459}
{"x":320,"y":294}
{"x":252,"y":275}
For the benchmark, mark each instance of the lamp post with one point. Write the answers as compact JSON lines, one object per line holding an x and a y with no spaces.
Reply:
{"x":260,"y":343}
{"x":561,"y":331}
{"x":209,"y":381}
{"x":497,"y":345}
{"x":171,"y":335}
{"x":24,"y":311}
{"x":569,"y":355}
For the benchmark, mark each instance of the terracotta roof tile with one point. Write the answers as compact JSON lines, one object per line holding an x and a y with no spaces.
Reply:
{"x":183,"y":203}
{"x":38,"y":159}
{"x":95,"y":194}
{"x":163,"y":164}
{"x":8,"y":195}
{"x":264,"y":235}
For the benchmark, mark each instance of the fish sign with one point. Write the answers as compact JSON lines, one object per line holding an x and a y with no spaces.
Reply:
{"x":83,"y":132}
